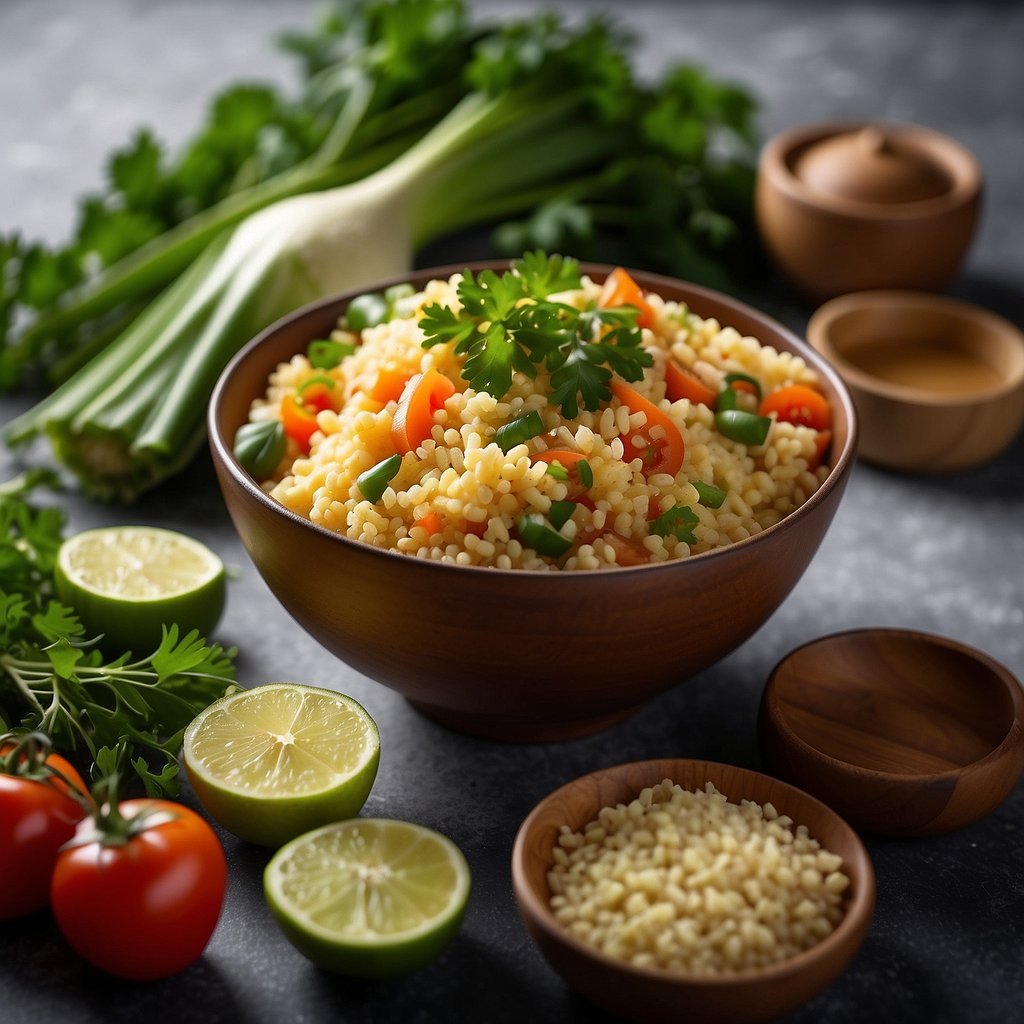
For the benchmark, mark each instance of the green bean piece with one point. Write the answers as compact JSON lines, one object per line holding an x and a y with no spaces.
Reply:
{"x":746,"y":427}
{"x":537,"y":533}
{"x":374,"y":482}
{"x":325,"y":353}
{"x":708,"y":495}
{"x":259,"y":447}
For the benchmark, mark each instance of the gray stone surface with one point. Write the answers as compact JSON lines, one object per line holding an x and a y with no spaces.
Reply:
{"x":944,"y":555}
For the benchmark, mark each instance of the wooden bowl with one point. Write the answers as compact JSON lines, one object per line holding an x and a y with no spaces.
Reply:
{"x":651,"y":995}
{"x":903,"y":733}
{"x":518,"y":655}
{"x":848,"y":206}
{"x":938,"y":383}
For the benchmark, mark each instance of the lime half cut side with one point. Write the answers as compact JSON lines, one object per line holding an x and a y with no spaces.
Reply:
{"x":274,"y":761}
{"x":126,"y":582}
{"x":370,"y":897}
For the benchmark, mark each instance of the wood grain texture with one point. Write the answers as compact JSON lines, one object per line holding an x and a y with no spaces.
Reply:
{"x":904,"y":733}
{"x":652,"y":996}
{"x":484,"y":650}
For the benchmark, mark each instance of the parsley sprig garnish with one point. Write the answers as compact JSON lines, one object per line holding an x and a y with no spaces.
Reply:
{"x":509,"y":323}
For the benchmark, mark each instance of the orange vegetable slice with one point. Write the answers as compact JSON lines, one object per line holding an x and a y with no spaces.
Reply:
{"x":422,"y":396}
{"x":660,"y":450}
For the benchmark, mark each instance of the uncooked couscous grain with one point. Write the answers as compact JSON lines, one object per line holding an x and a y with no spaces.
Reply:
{"x":475,"y":489}
{"x":689,"y":882}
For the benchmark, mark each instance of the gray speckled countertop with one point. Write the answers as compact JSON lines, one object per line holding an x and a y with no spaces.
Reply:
{"x":944,"y":555}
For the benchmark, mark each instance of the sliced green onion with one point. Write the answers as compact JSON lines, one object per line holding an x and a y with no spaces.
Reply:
{"x":537,"y":533}
{"x":677,"y":522}
{"x":708,"y":495}
{"x":516,"y":431}
{"x":586,"y":473}
{"x":746,"y":427}
{"x":395,"y":294}
{"x":732,"y":378}
{"x":307,"y":385}
{"x":560,"y":513}
{"x":325,"y":353}
{"x":558,"y":471}
{"x":374,"y":482}
{"x":366,"y":311}
{"x":259,"y":447}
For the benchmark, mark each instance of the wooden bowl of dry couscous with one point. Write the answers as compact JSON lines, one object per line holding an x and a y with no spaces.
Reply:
{"x":670,"y":890}
{"x":531,"y":555}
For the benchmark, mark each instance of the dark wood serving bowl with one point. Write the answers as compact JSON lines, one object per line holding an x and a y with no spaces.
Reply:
{"x":904,"y":733}
{"x":518,"y":655}
{"x":652,"y":996}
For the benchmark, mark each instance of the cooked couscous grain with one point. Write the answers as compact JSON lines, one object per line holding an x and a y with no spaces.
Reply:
{"x":473,"y":494}
{"x":689,"y":882}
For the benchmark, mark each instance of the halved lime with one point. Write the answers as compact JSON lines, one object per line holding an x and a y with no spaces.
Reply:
{"x":274,"y":761}
{"x":371,"y":897}
{"x":125,"y":582}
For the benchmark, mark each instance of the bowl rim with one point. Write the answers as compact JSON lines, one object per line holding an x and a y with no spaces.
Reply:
{"x":959,"y":162}
{"x":838,"y":473}
{"x":996,"y":668}
{"x":825,"y":317}
{"x":858,"y":911}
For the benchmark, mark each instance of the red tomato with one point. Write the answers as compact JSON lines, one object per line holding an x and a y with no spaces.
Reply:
{"x":660,"y":451}
{"x":145,"y":907}
{"x":36,"y":819}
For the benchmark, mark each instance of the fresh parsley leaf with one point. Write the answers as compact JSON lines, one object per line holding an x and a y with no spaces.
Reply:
{"x":55,"y":681}
{"x":507,"y":323}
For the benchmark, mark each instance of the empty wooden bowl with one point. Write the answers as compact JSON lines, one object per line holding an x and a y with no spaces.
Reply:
{"x":655,"y":995}
{"x":938,"y":383}
{"x":903,"y":733}
{"x":848,"y":206}
{"x":508,"y":654}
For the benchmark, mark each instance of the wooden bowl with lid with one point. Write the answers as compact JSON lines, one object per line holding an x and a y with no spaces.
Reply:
{"x":904,"y":733}
{"x":849,"y":206}
{"x":652,"y":995}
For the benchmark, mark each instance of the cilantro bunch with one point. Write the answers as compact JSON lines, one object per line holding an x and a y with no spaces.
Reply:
{"x":128,"y":713}
{"x":509,"y":323}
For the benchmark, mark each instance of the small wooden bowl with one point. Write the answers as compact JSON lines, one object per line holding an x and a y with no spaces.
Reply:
{"x":938,"y":383}
{"x":846,"y":206}
{"x":651,"y":995}
{"x":903,"y":733}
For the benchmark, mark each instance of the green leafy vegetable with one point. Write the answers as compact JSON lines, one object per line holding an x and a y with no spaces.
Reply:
{"x":413,"y":123}
{"x":677,"y":522}
{"x":507,"y":323}
{"x":54,"y":681}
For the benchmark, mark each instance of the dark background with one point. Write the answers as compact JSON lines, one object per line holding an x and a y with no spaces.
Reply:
{"x":940,"y":554}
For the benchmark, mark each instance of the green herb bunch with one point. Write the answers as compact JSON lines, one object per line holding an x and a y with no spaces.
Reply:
{"x":128,"y":713}
{"x":509,"y":323}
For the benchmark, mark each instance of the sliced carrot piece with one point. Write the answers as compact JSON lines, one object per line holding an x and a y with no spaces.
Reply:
{"x":389,"y":385}
{"x":660,"y":454}
{"x":683,"y":383}
{"x":429,"y":519}
{"x":422,"y":396}
{"x":799,"y":404}
{"x":621,"y":290}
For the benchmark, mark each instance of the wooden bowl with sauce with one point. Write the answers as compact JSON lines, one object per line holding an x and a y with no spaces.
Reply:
{"x":902,"y":733}
{"x":938,"y":383}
